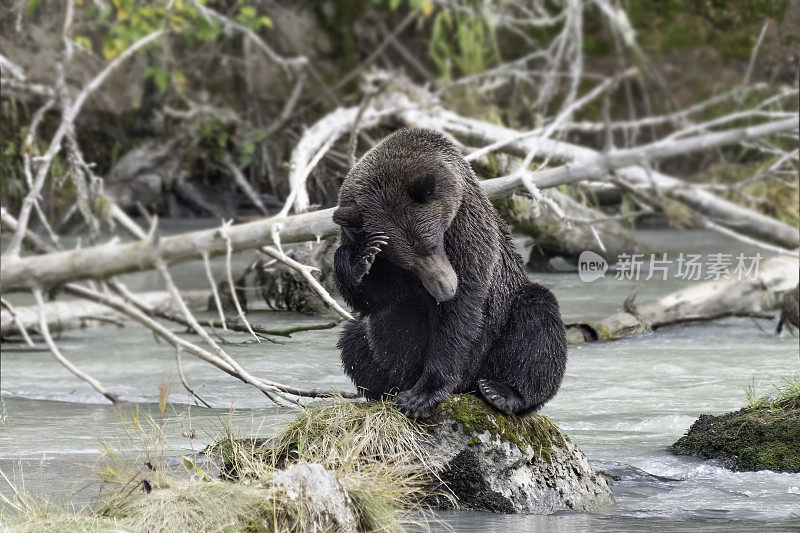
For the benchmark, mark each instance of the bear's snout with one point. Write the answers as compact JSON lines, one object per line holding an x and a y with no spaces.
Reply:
{"x":437,"y":275}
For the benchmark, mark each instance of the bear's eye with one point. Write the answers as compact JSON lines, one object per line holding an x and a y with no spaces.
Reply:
{"x":422,"y":189}
{"x":423,"y":248}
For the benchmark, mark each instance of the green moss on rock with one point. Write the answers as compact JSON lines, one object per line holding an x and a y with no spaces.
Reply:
{"x":466,"y":454}
{"x":765,"y":438}
{"x":475,"y":417}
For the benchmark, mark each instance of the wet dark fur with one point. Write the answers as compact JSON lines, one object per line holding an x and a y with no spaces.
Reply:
{"x":500,"y":334}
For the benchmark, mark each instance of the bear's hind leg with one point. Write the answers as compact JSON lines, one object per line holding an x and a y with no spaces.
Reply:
{"x":503,"y":397}
{"x":524,"y":367}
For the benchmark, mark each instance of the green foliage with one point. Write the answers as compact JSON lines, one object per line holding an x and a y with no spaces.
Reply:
{"x":12,"y":182}
{"x":15,"y":117}
{"x":159,"y":76}
{"x":463,"y":43}
{"x":336,"y":18}
{"x":212,"y":138}
{"x":248,"y":16}
{"x":248,"y":148}
{"x":426,"y":7}
{"x":728,"y":26}
{"x":131,"y":20}
{"x":783,"y":394}
{"x":127,"y":21}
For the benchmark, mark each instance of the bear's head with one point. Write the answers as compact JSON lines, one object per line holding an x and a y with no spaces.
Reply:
{"x":409,"y":187}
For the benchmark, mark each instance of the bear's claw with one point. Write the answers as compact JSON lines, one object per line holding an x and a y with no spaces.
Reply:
{"x":500,"y":396}
{"x":375,"y":243}
{"x":416,"y":404}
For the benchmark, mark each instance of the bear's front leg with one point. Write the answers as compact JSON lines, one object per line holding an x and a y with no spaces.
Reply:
{"x":353,"y":261}
{"x":456,"y":326}
{"x":420,"y":403}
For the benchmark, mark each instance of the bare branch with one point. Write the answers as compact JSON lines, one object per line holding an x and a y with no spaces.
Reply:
{"x":188,"y":347}
{"x":254,"y":38}
{"x":229,"y":274}
{"x":185,"y":384}
{"x":306,"y":271}
{"x":244,"y":185}
{"x":9,"y":66}
{"x":67,"y":121}
{"x":103,"y":261}
{"x":565,"y":114}
{"x":214,"y":290}
{"x":45,"y":333}
{"x":754,"y":53}
{"x":15,"y":317}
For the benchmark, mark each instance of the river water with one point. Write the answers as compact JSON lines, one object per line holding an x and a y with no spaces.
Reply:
{"x":622,"y":402}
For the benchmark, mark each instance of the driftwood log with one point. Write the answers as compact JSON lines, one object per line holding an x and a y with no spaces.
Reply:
{"x":702,"y":301}
{"x":64,"y":315}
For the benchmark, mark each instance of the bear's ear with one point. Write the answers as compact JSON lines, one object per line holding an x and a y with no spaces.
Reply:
{"x":348,"y":216}
{"x":422,"y":189}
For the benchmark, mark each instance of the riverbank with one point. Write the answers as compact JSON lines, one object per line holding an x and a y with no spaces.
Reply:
{"x":340,"y":466}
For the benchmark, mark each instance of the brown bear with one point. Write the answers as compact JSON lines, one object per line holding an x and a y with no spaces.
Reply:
{"x":443,"y":301}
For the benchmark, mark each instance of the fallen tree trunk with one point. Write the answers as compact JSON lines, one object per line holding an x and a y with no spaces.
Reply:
{"x":581,"y":162}
{"x":77,"y":314}
{"x":565,"y":230}
{"x":106,"y":260}
{"x":703,"y":301}
{"x":103,"y":261}
{"x":586,"y":163}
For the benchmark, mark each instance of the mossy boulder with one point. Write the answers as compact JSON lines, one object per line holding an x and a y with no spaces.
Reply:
{"x":467,"y":455}
{"x":495,"y":462}
{"x":763,"y":438}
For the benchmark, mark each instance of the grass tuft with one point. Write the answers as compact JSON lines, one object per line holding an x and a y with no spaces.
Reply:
{"x":378,"y":455}
{"x":785,"y":394}
{"x":375,"y":451}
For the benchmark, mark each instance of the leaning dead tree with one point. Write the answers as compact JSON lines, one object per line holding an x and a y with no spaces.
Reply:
{"x":537,"y":160}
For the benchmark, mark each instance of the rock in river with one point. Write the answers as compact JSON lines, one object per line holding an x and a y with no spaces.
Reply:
{"x":754,"y":438}
{"x":466,"y":456}
{"x":328,"y":506}
{"x":501,"y":463}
